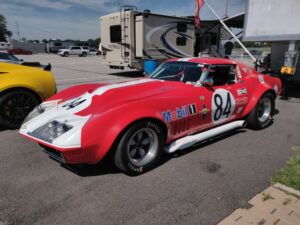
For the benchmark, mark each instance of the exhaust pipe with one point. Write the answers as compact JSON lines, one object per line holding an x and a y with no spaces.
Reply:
{"x":188,"y":141}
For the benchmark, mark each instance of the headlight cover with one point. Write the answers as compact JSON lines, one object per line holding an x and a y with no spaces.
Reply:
{"x":45,"y":106}
{"x":50,"y":131}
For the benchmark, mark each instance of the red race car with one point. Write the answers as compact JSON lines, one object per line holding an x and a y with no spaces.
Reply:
{"x":184,"y":101}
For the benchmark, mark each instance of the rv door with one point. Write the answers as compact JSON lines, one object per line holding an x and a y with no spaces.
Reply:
{"x":139,"y":37}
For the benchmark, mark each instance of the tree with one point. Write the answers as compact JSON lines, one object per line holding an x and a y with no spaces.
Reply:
{"x":3,"y":29}
{"x":97,"y":41}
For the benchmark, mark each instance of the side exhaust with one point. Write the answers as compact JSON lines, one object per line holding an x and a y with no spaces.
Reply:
{"x":188,"y":141}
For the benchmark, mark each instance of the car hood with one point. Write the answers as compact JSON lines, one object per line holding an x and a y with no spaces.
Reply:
{"x":110,"y":96}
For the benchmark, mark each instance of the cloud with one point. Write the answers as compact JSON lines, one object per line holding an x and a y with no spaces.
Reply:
{"x":57,"y":5}
{"x":79,"y":19}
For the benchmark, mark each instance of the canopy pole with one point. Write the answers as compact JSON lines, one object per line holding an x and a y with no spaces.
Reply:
{"x":230,"y":32}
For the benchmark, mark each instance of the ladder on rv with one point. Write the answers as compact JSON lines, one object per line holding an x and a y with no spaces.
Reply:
{"x":125,"y":20}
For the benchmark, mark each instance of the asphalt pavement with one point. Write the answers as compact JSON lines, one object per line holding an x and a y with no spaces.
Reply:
{"x":200,"y":185}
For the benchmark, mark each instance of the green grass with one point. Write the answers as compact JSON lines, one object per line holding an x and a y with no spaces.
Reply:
{"x":289,"y":175}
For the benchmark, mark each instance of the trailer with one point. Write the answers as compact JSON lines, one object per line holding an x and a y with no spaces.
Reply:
{"x":130,"y":37}
{"x":278,"y":24}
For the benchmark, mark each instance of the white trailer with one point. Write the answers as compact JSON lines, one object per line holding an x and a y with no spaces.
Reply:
{"x":275,"y":21}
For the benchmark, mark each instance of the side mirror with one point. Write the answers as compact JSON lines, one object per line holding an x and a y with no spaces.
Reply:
{"x":207,"y":82}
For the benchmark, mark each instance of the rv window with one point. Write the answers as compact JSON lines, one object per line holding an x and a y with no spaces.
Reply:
{"x":181,"y":41}
{"x":181,"y":27}
{"x":57,"y":44}
{"x":115,"y":34}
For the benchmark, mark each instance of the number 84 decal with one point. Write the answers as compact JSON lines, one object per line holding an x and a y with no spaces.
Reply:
{"x":223,"y":105}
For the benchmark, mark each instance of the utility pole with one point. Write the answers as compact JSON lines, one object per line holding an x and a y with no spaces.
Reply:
{"x":226,"y":9}
{"x":18,"y":31}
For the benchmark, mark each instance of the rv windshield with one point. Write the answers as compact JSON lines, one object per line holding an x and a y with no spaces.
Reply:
{"x":178,"y":71}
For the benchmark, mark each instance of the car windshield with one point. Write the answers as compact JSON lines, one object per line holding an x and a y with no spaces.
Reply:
{"x":7,"y":56}
{"x":178,"y":71}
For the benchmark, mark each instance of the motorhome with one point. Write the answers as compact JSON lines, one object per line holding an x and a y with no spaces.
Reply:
{"x":5,"y":46}
{"x":129,"y":37}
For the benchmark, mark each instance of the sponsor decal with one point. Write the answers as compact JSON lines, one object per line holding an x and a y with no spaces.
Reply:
{"x":179,"y":113}
{"x":242,"y":101}
{"x":276,"y":89}
{"x":239,"y":110}
{"x":204,"y":111}
{"x":202,"y":98}
{"x":261,"y":79}
{"x":242,"y":91}
{"x":223,"y":105}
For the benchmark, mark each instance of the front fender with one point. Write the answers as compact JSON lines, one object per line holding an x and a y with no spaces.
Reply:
{"x":101,"y":131}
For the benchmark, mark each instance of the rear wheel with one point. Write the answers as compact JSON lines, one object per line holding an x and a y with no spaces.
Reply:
{"x":140,"y":148}
{"x":261,"y":115}
{"x":84,"y":54}
{"x":15,"y":106}
{"x":66,"y":54}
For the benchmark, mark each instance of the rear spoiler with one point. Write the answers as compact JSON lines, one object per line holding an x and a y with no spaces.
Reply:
{"x":48,"y":67}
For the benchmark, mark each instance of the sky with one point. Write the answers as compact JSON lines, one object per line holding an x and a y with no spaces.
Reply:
{"x":79,"y":19}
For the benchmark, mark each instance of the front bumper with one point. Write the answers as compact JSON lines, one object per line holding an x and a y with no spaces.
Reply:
{"x":65,"y":155}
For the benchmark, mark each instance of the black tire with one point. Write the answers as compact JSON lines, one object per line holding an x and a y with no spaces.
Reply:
{"x":66,"y":54}
{"x":262,"y":115}
{"x":128,"y":154}
{"x":84,"y":54}
{"x":15,"y":106}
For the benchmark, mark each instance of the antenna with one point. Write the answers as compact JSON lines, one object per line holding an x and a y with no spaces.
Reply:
{"x":18,"y":31}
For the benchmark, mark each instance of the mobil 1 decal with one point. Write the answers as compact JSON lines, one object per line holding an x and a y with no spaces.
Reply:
{"x":223,"y":104}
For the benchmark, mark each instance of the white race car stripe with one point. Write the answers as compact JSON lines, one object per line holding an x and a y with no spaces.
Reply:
{"x":184,"y":59}
{"x":105,"y":88}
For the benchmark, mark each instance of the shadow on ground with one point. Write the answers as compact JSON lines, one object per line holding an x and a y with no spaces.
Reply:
{"x":129,"y":74}
{"x":106,"y":166}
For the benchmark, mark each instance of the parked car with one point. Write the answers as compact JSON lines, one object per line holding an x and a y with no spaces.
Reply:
{"x":9,"y":58}
{"x":22,"y":88}
{"x":184,"y":101}
{"x":19,"y":51}
{"x":74,"y":50}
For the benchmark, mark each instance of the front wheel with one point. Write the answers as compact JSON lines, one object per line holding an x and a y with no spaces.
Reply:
{"x":261,"y":116}
{"x":140,"y":148}
{"x":15,"y":106}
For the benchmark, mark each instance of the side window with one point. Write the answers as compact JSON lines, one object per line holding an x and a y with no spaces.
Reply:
{"x":181,"y":41}
{"x":181,"y":27}
{"x":223,"y":74}
{"x":115,"y":34}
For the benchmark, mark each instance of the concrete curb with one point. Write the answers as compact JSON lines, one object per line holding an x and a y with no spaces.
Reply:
{"x":287,"y":189}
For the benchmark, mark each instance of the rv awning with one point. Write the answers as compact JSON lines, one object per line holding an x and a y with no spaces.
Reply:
{"x":236,"y":21}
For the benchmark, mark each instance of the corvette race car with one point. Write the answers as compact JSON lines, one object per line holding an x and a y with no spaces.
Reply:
{"x":22,"y":88}
{"x":184,"y":101}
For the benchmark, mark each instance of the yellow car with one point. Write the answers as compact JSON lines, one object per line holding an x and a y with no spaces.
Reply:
{"x":22,"y":88}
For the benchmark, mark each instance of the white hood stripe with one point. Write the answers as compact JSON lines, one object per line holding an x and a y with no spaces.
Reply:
{"x":105,"y":88}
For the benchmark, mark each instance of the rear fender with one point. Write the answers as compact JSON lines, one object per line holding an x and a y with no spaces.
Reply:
{"x":100,"y":132}
{"x":259,"y":92}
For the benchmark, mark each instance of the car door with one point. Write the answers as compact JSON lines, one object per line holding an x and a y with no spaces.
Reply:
{"x":228,"y":94}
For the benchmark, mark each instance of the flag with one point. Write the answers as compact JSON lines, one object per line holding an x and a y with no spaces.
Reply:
{"x":198,"y":6}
